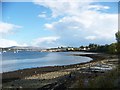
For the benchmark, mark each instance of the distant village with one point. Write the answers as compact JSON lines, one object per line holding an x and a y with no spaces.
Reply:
{"x":58,"y":49}
{"x":65,"y":49}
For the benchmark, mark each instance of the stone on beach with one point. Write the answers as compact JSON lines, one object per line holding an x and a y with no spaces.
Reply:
{"x":50,"y":75}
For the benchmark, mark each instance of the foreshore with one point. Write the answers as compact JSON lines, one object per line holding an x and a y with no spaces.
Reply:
{"x":55,"y":76}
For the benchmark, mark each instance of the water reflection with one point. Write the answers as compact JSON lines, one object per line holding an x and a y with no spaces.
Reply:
{"x":41,"y":59}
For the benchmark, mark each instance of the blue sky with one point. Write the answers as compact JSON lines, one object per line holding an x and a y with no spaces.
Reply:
{"x":53,"y":24}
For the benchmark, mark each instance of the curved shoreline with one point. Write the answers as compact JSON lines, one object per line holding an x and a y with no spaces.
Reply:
{"x":19,"y":74}
{"x":67,"y":76}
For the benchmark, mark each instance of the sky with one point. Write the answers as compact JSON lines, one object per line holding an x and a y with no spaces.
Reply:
{"x":44,"y":23}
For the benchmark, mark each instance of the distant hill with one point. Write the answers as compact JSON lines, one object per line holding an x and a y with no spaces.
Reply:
{"x":24,"y":47}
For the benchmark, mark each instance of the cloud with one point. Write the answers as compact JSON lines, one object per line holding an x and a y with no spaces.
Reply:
{"x":46,"y":41}
{"x":9,"y":43}
{"x":48,"y":26}
{"x":98,"y":7}
{"x":61,"y":7}
{"x":68,"y":7}
{"x":81,"y":22}
{"x":7,"y":27}
{"x":86,"y":24}
{"x":90,"y":37}
{"x":42,"y":15}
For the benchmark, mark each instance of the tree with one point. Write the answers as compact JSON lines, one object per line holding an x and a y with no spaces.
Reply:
{"x":118,"y":47}
{"x":112,"y":48}
{"x":118,"y":36}
{"x":81,"y":47}
{"x":118,"y":41}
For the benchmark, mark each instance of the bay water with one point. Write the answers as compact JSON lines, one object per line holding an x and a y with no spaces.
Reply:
{"x":30,"y":59}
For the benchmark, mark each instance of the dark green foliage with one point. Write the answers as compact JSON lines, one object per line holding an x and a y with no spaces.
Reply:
{"x":111,"y":49}
{"x":118,"y":41}
{"x":81,"y":47}
{"x":118,"y":36}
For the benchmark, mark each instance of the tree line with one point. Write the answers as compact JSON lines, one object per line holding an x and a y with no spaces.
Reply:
{"x":113,"y":48}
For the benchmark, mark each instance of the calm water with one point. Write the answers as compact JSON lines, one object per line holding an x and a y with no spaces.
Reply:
{"x":28,"y":59}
